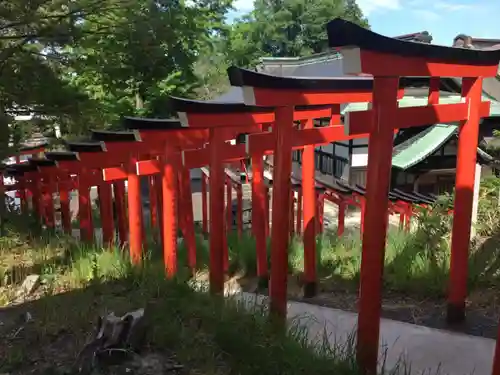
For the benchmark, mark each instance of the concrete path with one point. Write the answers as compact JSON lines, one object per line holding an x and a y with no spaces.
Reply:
{"x":424,"y":349}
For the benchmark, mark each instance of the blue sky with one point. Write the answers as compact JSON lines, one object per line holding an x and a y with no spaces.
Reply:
{"x":444,"y":19}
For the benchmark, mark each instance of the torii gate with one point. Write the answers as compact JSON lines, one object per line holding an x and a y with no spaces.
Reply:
{"x":166,"y":138}
{"x":388,"y":59}
{"x":56,"y":181}
{"x":280,"y":92}
{"x":220,"y":115}
{"x":381,"y":57}
{"x":79,"y":161}
{"x":23,"y":172}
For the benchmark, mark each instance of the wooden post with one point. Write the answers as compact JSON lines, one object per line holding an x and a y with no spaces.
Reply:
{"x":187,"y":215}
{"x":259,"y":221}
{"x":216,"y":219}
{"x":134,"y":214}
{"x":385,"y":105}
{"x":464,"y":193}
{"x":309,"y":192}
{"x":169,"y":188}
{"x":281,"y":202}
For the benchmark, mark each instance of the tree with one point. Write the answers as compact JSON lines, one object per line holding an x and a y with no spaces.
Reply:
{"x":32,"y":34}
{"x":132,"y":58}
{"x":287,"y":28}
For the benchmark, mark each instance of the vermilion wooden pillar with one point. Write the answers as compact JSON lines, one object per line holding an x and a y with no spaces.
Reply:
{"x":188,"y":217}
{"x":134,"y":213}
{"x":380,"y":145}
{"x":216,"y":222}
{"x":281,"y":203}
{"x":309,"y":212}
{"x":464,"y":192}
{"x":169,"y":214}
{"x":259,"y":198}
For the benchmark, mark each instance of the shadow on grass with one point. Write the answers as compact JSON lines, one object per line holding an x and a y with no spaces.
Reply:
{"x":206,"y":334}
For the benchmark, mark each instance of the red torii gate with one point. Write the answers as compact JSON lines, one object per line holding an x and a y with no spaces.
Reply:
{"x":22,"y":173}
{"x":76,"y":162}
{"x":81,"y":160}
{"x":416,"y":60}
{"x":53,"y":181}
{"x":388,"y":59}
{"x":168,"y":137}
{"x":196,"y":114}
{"x":26,"y":150}
{"x":231,"y":113}
{"x":285,"y":94}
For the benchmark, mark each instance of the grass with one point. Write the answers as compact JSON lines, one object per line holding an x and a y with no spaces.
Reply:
{"x":206,"y":335}
{"x":416,"y":263}
{"x":407,"y":265}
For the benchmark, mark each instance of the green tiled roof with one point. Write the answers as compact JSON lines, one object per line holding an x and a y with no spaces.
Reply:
{"x":412,"y":101}
{"x":414,"y":150}
{"x":425,"y":143}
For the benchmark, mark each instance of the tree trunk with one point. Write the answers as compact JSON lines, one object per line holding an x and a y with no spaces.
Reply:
{"x":139,"y":101}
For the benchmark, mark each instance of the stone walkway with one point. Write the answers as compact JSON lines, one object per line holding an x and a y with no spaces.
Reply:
{"x":425,"y":349}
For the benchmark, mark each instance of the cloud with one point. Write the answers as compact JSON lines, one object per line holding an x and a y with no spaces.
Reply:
{"x":370,"y":6}
{"x":427,"y":15}
{"x":451,"y":7}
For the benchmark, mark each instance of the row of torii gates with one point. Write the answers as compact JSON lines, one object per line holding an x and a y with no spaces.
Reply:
{"x":277,"y":117}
